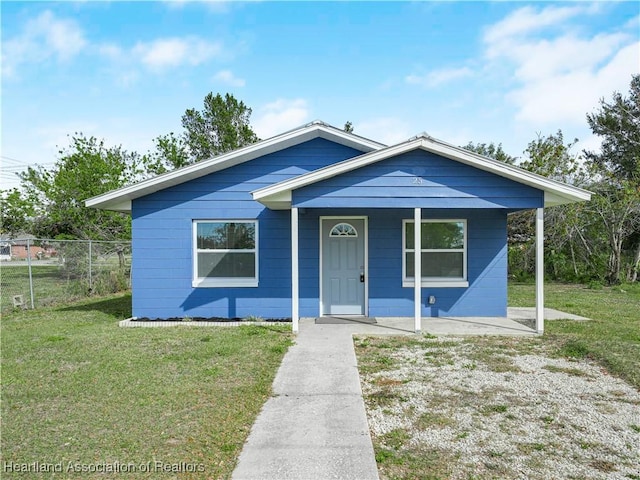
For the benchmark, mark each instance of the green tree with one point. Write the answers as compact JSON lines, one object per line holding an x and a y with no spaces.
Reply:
{"x":85,"y":168}
{"x":617,"y":207}
{"x":170,"y":152}
{"x":568,"y":251}
{"x":617,"y":170}
{"x":17,"y":212}
{"x":491,"y":150}
{"x":618,"y":123}
{"x":348,"y":127}
{"x":220,"y":127}
{"x":550,"y":157}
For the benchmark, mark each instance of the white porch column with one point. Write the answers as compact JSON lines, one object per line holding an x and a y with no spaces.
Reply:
{"x":417,"y":268}
{"x":295,"y":279}
{"x":540,"y":270}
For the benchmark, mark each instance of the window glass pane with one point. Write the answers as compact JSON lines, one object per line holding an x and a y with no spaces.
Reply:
{"x":343,"y":230}
{"x":437,"y":235}
{"x":443,"y":235}
{"x":236,"y":265}
{"x":223,"y":236}
{"x":444,"y":265}
{"x":408,"y":237}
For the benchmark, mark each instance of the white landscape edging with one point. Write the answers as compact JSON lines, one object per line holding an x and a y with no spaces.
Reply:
{"x":131,"y":322}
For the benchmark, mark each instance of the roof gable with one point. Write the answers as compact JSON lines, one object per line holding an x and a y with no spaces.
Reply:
{"x":418,"y":179}
{"x":120,"y":199}
{"x":278,"y":196}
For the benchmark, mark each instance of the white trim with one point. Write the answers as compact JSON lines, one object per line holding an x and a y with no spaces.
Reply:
{"x":120,"y":199}
{"x":540,"y":270}
{"x":439,"y":282}
{"x":417,"y":268}
{"x":366,"y":257}
{"x":223,"y":282}
{"x":556,"y":193}
{"x":295,"y":272}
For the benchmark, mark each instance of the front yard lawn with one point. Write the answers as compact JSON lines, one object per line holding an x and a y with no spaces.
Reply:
{"x":80,"y":392}
{"x":612,"y":337}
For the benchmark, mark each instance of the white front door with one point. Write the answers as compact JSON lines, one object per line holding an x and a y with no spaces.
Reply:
{"x":343,"y":267}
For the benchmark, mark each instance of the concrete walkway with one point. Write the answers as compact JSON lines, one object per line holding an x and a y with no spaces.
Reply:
{"x":315,"y":425}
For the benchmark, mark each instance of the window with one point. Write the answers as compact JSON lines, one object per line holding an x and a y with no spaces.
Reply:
{"x":225,"y":253}
{"x":443,"y":253}
{"x":343,"y":230}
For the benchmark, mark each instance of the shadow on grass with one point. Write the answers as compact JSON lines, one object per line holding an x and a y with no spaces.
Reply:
{"x":119,"y":307}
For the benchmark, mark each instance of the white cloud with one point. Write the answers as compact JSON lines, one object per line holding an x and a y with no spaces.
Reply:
{"x":566,"y":97}
{"x":559,"y":76}
{"x":174,"y":52}
{"x":280,"y":116}
{"x":438,"y":77}
{"x":42,"y":38}
{"x":227,"y":77}
{"x":387,"y":130}
{"x":526,"y":20}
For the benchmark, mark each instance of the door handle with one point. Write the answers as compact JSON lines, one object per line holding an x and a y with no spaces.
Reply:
{"x":362,"y":278}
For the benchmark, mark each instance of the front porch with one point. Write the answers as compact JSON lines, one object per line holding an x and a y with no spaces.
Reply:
{"x":516,"y":324}
{"x":485,"y":277}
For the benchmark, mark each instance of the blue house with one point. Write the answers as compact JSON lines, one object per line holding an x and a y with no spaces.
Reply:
{"x":319,"y":222}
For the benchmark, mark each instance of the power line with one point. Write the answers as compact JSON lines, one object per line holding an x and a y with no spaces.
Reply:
{"x":14,"y":160}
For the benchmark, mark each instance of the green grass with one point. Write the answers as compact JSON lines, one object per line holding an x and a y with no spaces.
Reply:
{"x":78,"y":388}
{"x":52,"y":286}
{"x":612,"y":337}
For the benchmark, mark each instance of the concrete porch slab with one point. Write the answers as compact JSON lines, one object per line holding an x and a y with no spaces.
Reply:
{"x":529,"y":313}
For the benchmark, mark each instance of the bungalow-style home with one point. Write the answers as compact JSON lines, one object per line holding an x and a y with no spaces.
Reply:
{"x":321,"y":222}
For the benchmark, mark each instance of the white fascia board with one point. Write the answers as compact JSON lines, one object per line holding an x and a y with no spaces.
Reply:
{"x":556,"y":192}
{"x":120,"y":199}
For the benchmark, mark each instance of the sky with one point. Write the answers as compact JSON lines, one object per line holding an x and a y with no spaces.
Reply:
{"x":125,"y":72}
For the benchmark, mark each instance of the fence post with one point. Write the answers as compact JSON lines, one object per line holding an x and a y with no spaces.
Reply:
{"x":30,"y":273}
{"x":90,"y":269}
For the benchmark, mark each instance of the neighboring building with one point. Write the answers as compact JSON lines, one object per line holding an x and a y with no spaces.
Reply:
{"x":318,"y":221}
{"x":21,"y":248}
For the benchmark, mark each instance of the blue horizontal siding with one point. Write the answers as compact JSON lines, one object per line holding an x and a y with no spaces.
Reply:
{"x":162,"y":237}
{"x":162,"y":284}
{"x":486,"y":266}
{"x":418,"y":179}
{"x":162,"y":234}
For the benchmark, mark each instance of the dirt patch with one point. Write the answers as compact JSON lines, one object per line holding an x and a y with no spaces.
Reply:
{"x":539,"y":418}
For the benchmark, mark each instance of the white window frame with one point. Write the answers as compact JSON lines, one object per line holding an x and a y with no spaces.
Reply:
{"x":435,"y":281}
{"x":221,"y":282}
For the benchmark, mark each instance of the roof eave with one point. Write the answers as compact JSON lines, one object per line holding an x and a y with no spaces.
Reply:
{"x":556,"y":193}
{"x":120,"y":199}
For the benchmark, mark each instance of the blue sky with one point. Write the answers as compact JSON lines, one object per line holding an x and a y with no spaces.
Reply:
{"x":474,"y":71}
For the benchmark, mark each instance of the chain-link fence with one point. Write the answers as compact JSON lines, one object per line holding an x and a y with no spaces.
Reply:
{"x":38,"y":272}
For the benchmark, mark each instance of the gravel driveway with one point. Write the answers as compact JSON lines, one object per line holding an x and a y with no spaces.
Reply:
{"x":495,"y":408}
